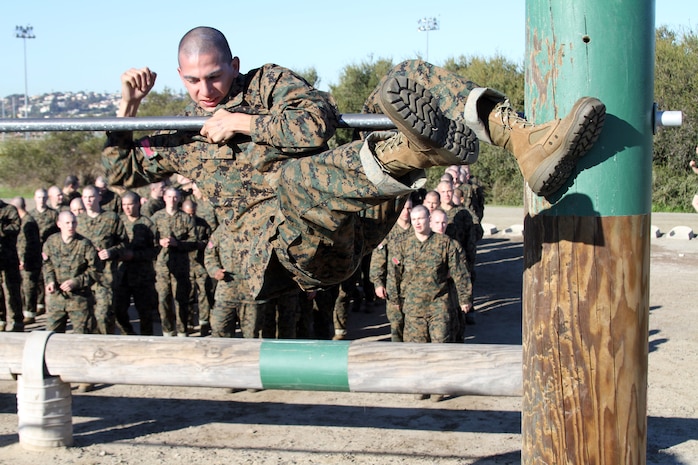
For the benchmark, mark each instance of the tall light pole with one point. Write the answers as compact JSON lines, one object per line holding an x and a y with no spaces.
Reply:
{"x":426,"y":25}
{"x":24,"y":33}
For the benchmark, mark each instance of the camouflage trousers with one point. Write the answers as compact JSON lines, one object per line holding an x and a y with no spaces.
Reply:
{"x":104,"y":301}
{"x":431,"y":324}
{"x":200,"y":296}
{"x":11,"y":297}
{"x":396,"y":317}
{"x":173,"y":302}
{"x":225,"y":314}
{"x":145,"y":299}
{"x":344,"y":205}
{"x":30,"y":291}
{"x":76,"y":307}
{"x":280,"y":317}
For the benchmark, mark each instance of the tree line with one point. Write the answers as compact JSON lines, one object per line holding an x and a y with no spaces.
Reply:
{"x":46,"y":161}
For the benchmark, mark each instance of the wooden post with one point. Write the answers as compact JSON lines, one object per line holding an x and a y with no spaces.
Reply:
{"x":586,"y":250}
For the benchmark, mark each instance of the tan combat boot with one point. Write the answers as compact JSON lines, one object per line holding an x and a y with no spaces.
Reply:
{"x":426,"y":136}
{"x":547,"y":153}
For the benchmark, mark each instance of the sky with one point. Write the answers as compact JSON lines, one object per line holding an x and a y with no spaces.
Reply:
{"x":79,"y":45}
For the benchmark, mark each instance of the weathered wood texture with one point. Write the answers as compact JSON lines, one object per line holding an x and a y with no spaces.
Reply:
{"x":585,"y":341}
{"x":213,"y":362}
{"x":456,"y":369}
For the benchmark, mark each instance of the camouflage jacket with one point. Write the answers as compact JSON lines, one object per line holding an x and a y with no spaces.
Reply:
{"x":220,"y":254}
{"x":424,"y":269}
{"x":76,"y":260}
{"x":202,"y":234}
{"x":181,"y":227}
{"x":105,"y":231}
{"x":29,"y":244}
{"x":46,"y":221}
{"x":460,"y":224}
{"x":10,"y":226}
{"x":151,"y":206}
{"x":239,"y":177}
{"x":143,"y":244}
{"x":382,"y":271}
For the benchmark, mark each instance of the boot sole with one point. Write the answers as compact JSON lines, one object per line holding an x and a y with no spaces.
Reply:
{"x":415,"y":112}
{"x":589,"y":116}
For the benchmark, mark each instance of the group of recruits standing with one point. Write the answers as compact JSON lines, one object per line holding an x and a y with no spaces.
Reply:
{"x":84,"y":257}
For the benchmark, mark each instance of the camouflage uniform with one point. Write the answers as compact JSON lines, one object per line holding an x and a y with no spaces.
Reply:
{"x":317,"y":314}
{"x":151,"y":206}
{"x":427,"y":266}
{"x":383,"y":275}
{"x":207,"y":212}
{"x":47,"y":226}
{"x":233,"y":299}
{"x":136,"y":277}
{"x":29,"y":253}
{"x":200,"y":296}
{"x":296,"y":215}
{"x":105,"y":231}
{"x":75,"y":260}
{"x":280,"y":316}
{"x":110,"y":201}
{"x":10,"y":279}
{"x":172,"y":270}
{"x":46,"y":221}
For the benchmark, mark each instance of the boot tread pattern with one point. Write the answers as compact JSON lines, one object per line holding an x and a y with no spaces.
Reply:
{"x":591,"y":119}
{"x":417,"y":109}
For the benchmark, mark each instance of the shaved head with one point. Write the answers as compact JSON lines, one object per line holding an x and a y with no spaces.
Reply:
{"x":205,"y":41}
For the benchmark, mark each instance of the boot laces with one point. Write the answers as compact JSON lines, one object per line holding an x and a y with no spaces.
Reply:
{"x":511,"y":117}
{"x":392,"y":143}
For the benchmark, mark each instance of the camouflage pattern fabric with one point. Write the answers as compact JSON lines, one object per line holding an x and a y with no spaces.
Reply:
{"x":172,"y":270}
{"x":383,"y":274}
{"x":105,"y":231}
{"x":233,"y":299}
{"x":46,"y":221}
{"x":29,"y":253}
{"x":201,"y":294}
{"x":136,"y":277}
{"x":76,"y":260}
{"x":293,"y":205}
{"x":424,"y":269}
{"x":10,"y":279}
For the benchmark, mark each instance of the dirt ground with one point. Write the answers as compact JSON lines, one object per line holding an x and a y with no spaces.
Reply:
{"x":118,"y":424}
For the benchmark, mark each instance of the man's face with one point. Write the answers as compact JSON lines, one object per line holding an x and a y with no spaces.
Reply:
{"x":55,"y":197}
{"x":431,"y":202}
{"x":157,"y":190}
{"x":130,"y":207}
{"x":76,"y":207}
{"x":67,"y":224}
{"x":207,"y":78}
{"x":91,"y":199}
{"x":420,"y":222}
{"x":171,"y":199}
{"x":445,"y":190}
{"x":438,"y":222}
{"x":405,"y":212}
{"x":40,"y":199}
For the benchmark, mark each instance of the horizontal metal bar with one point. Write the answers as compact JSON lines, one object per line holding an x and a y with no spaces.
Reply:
{"x":152,"y":123}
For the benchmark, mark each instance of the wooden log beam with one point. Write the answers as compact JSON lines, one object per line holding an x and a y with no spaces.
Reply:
{"x":453,"y":369}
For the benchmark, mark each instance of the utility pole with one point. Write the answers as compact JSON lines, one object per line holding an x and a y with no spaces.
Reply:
{"x":24,"y":33}
{"x":426,"y":25}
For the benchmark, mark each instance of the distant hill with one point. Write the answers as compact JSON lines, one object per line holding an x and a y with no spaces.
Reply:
{"x":60,"y":105}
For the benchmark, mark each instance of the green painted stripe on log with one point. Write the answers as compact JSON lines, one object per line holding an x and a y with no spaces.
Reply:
{"x":304,"y":365}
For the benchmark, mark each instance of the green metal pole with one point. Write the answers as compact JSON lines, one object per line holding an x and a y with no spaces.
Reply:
{"x":586,"y":249}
